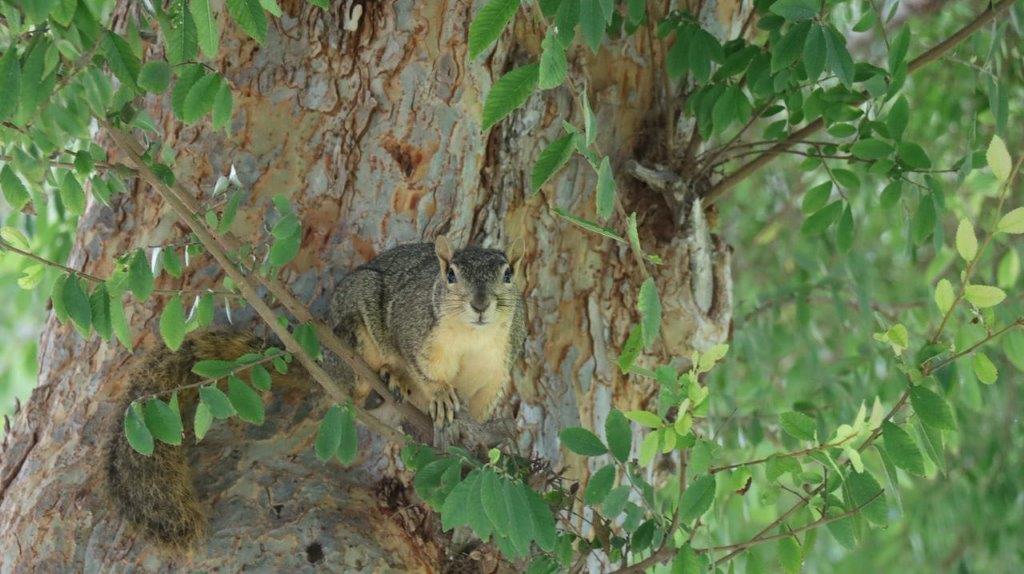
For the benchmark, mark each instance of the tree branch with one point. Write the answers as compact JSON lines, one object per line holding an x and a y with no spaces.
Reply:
{"x":732,"y":180}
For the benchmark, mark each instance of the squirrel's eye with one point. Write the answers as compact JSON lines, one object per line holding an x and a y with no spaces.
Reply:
{"x":451,"y":275}
{"x":508,"y":274}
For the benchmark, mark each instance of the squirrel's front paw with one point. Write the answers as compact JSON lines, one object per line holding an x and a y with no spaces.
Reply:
{"x":443,"y":405}
{"x":398,"y":389}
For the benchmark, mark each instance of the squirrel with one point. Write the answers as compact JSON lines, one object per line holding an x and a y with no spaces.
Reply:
{"x":445,"y":325}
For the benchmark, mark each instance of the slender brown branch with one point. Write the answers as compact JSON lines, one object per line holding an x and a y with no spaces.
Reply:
{"x":5,"y":246}
{"x":732,"y":180}
{"x":929,"y":369}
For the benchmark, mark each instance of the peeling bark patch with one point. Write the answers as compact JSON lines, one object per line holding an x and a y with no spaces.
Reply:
{"x":407,"y":157}
{"x":315,"y":553}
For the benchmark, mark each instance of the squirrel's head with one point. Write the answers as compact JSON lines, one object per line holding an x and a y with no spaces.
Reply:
{"x":478,"y":284}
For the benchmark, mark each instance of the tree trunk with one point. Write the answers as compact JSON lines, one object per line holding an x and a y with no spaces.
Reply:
{"x":375,"y":136}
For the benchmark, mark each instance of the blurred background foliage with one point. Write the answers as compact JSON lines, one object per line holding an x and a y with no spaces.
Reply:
{"x":805,"y":321}
{"x":806,"y":313}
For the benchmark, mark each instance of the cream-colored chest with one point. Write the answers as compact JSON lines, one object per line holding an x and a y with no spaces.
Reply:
{"x":471,"y":358}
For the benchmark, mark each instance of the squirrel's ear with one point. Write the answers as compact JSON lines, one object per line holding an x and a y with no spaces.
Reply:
{"x":516,"y":251}
{"x":444,"y":250}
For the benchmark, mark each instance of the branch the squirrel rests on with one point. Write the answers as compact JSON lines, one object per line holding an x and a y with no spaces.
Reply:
{"x":444,"y":324}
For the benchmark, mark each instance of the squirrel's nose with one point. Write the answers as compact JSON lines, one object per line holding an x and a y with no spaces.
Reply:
{"x":480,"y":306}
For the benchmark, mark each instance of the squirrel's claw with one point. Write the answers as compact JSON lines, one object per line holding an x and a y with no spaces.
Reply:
{"x":443,"y":406}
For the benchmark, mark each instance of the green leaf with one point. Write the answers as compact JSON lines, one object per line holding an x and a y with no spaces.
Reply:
{"x":183,"y":85}
{"x":914,"y":156}
{"x":838,"y":57}
{"x":249,"y":15}
{"x":556,"y":155}
{"x":815,"y":52}
{"x":899,"y":115}
{"x":245,"y":400}
{"x":349,"y":447}
{"x":200,"y":98}
{"x":139,"y":437}
{"x":923,"y":224}
{"x":180,"y":33}
{"x":260,"y":378}
{"x":120,"y":58}
{"x":202,"y":421}
{"x":592,"y":23}
{"x":14,"y":190}
{"x":57,"y":299}
{"x":305,"y":334}
{"x":509,"y":93}
{"x":864,"y":488}
{"x":999,"y":159}
{"x":798,"y":425}
{"x":845,"y":230}
{"x":649,"y":305}
{"x":328,"y":438}
{"x":172,"y":323}
{"x":155,"y":76}
{"x":645,"y":418}
{"x":1009,"y":269}
{"x":605,"y":189}
{"x":99,"y":306}
{"x":76,"y":301}
{"x":898,"y":49}
{"x":789,"y":555}
{"x":599,"y":485}
{"x":10,"y":85}
{"x":1012,"y":222}
{"x":140,"y":276}
{"x":944,"y":296}
{"x":697,"y":498}
{"x":589,"y":225}
{"x":218,"y":402}
{"x":618,"y":434}
{"x":543,"y":521}
{"x":933,"y":409}
{"x":163,"y":422}
{"x":207,"y":29}
{"x":786,"y":51}
{"x":214,"y":368}
{"x":272,"y":7}
{"x":457,"y":505}
{"x":488,"y":24}
{"x":871,"y":149}
{"x":984,"y":295}
{"x":581,"y":441}
{"x":966,"y":241}
{"x":796,"y":9}
{"x":118,"y":322}
{"x":553,"y":66}
{"x":72,"y":195}
{"x":780,"y":464}
{"x":902,"y":449}
{"x":984,"y":368}
{"x":819,"y":221}
{"x":492,"y":498}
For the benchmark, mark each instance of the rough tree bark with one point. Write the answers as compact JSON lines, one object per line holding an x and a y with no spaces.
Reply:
{"x":375,"y":135}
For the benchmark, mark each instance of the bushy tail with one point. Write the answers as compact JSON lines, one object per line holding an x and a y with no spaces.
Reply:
{"x":155,"y":493}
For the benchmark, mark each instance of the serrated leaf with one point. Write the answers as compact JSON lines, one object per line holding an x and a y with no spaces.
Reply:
{"x":180,"y":34}
{"x":932,"y":408}
{"x":118,"y":321}
{"x":260,"y":378}
{"x":581,"y":441}
{"x":966,"y":241}
{"x":489,"y":23}
{"x":220,"y":405}
{"x":944,"y":296}
{"x":556,"y":155}
{"x":140,"y":276}
{"x":553,"y":66}
{"x":99,"y":305}
{"x":649,"y":305}
{"x":14,"y":190}
{"x":697,"y":498}
{"x":201,"y":98}
{"x":245,"y":400}
{"x":76,"y":302}
{"x":605,"y":189}
{"x":162,"y":421}
{"x":139,"y":437}
{"x":790,"y":557}
{"x":72,"y":195}
{"x":120,"y":59}
{"x":1012,"y":222}
{"x":348,"y":449}
{"x":984,"y":368}
{"x":599,"y":485}
{"x":984,"y":295}
{"x":10,"y":85}
{"x":328,"y":438}
{"x":592,"y":23}
{"x":509,"y":93}
{"x":864,"y":488}
{"x":249,"y":15}
{"x":214,"y":368}
{"x":155,"y":77}
{"x":902,"y":449}
{"x":207,"y":29}
{"x":998,"y":158}
{"x":798,"y":425}
{"x":202,"y":421}
{"x":618,"y":434}
{"x":172,"y":323}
